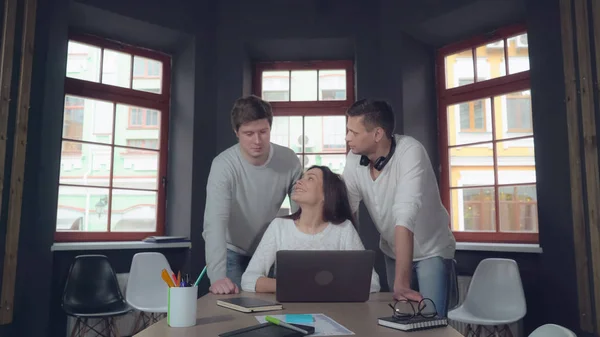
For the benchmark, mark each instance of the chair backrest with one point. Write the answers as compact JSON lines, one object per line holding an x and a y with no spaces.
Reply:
{"x":145,"y":287}
{"x":552,"y":330}
{"x":496,"y":290}
{"x":91,"y":282}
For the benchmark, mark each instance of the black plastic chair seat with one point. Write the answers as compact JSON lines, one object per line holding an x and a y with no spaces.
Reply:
{"x":92,"y":289}
{"x":109,"y":309}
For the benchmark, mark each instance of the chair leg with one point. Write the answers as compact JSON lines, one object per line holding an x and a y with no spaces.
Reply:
{"x":473,"y":332}
{"x":508,"y":331}
{"x":76,"y":328}
{"x":157,"y":316}
{"x":134,"y":330}
{"x":110,"y":327}
{"x":495,"y":331}
{"x":145,"y":319}
{"x":115,"y":328}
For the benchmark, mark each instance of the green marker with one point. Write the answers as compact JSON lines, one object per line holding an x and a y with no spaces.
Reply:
{"x":275,"y":321}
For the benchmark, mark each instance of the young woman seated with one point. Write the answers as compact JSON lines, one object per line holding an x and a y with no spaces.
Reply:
{"x":323,"y":221}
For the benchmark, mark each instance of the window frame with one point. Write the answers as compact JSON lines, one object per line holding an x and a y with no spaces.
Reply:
{"x":131,"y":97}
{"x":481,"y":89}
{"x":309,"y":108}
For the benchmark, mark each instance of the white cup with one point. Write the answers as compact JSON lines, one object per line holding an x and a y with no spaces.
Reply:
{"x":182,"y":305}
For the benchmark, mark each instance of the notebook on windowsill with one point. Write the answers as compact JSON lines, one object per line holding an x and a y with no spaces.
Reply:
{"x":415,"y":323}
{"x":166,"y":239}
{"x":248,"y":304}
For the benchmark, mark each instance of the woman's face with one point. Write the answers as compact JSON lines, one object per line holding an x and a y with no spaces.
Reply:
{"x":308,"y":190}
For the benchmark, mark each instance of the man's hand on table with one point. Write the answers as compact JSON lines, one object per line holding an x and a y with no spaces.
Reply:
{"x":224,"y":286}
{"x":405,"y":293}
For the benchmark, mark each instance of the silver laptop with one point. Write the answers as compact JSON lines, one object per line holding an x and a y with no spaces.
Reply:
{"x":324,"y":275}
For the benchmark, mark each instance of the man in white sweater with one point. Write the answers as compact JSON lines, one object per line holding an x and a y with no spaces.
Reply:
{"x":392,"y":175}
{"x":246,"y":187}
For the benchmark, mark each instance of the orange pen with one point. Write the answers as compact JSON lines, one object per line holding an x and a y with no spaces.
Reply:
{"x":165,"y":276}
{"x":178,"y":278}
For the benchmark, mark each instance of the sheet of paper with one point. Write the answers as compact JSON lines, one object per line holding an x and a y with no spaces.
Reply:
{"x":324,"y":325}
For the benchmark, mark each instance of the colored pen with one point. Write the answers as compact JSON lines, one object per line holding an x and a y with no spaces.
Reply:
{"x":200,"y":277}
{"x":178,"y":278}
{"x":174,"y":279}
{"x":275,"y":321}
{"x":165,"y":276}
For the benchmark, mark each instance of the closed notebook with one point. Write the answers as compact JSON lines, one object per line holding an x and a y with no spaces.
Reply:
{"x":416,"y":323}
{"x":249,"y":304}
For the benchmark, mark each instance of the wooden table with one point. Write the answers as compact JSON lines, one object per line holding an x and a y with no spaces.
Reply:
{"x":360,"y":318}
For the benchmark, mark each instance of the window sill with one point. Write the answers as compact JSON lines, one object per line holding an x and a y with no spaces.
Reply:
{"x":500,"y":247}
{"x":70,"y":246}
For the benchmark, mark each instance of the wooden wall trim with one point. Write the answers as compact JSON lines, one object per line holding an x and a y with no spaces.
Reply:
{"x":6,"y":67}
{"x":573,"y":123}
{"x":590,"y":145}
{"x":18,"y":166}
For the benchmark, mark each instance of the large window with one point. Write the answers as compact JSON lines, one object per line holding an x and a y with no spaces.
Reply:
{"x":488,"y":164}
{"x":114,"y":142}
{"x":309,"y":102}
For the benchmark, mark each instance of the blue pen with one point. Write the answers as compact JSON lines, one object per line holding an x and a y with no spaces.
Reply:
{"x":200,"y":277}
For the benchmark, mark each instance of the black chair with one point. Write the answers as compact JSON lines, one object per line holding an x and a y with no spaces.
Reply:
{"x":92,"y":292}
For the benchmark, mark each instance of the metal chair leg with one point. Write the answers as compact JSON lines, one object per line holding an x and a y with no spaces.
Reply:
{"x":76,"y":328}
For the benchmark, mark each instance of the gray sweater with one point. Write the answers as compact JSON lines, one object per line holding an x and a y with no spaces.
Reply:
{"x":241,"y":201}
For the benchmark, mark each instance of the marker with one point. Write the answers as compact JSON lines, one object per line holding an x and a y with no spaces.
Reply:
{"x":165,"y":276}
{"x":275,"y":321}
{"x":200,"y":277}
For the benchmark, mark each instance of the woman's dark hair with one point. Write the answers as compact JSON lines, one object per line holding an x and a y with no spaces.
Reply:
{"x":336,"y":207}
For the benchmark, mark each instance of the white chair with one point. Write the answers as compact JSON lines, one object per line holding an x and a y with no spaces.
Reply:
{"x":146,"y":290}
{"x":552,"y":330}
{"x":495,"y":298}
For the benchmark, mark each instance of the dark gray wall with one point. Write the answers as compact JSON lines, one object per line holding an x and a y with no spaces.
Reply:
{"x":557,"y":276}
{"x":419,"y":96}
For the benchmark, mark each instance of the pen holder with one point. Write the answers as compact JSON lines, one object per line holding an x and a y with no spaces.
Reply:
{"x":182,"y":305}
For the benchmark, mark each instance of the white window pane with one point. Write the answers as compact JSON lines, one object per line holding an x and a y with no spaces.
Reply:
{"x":304,"y":85}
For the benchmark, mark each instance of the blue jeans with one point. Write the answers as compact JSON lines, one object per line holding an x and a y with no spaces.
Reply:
{"x":430,"y":277}
{"x":236,"y":266}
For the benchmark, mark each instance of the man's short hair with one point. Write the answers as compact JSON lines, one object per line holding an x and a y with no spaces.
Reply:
{"x":375,"y":114}
{"x":248,"y":109}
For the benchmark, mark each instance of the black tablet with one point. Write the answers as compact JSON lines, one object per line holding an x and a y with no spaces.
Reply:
{"x":268,"y":330}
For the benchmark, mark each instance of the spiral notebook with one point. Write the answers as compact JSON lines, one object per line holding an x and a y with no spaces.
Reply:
{"x":416,"y":323}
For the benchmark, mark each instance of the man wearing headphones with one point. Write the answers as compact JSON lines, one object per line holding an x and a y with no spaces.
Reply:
{"x":392,"y":175}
